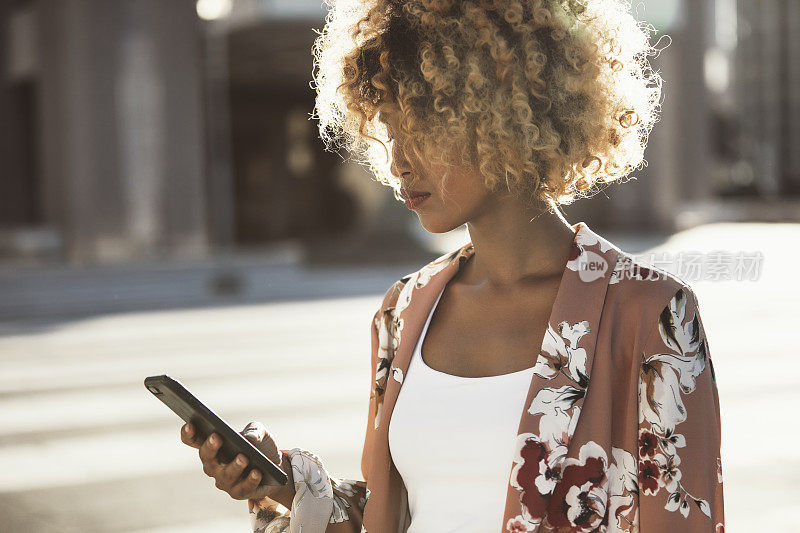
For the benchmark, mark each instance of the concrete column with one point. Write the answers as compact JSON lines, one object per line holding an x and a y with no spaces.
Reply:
{"x":121,"y":128}
{"x":676,"y":154}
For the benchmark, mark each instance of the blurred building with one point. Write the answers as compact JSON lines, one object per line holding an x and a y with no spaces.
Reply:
{"x":102,"y":138}
{"x":141,"y":129}
{"x":727,"y":145}
{"x":751,"y":75}
{"x":134,"y":129}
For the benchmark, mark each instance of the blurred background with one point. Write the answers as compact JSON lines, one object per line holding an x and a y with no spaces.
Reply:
{"x":166,"y":207}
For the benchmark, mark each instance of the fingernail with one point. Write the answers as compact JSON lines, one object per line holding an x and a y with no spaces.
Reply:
{"x":241,"y":460}
{"x":214,"y":440}
{"x":253,"y":474}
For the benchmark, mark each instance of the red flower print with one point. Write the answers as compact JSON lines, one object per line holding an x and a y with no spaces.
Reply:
{"x":641,"y":272}
{"x":580,"y":500}
{"x":648,"y":443}
{"x":649,"y":476}
{"x":533,"y":453}
{"x":574,"y":252}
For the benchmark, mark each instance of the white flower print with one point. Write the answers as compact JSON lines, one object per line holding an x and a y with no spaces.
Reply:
{"x":589,"y":265}
{"x":586,"y":239}
{"x":383,"y":364}
{"x":384,"y":355}
{"x":583,"y":493}
{"x":670,"y":474}
{"x":622,"y":485}
{"x":663,"y":379}
{"x":419,"y":279}
{"x":665,"y":376}
{"x":558,"y":416}
{"x":431,"y":269}
{"x":587,"y":258}
{"x":561,"y":353}
{"x":529,"y":454}
{"x":308,"y":467}
{"x":622,"y":471}
{"x":587,"y":494}
{"x":341,"y":488}
{"x":378,"y":413}
{"x":344,"y":486}
{"x":519,"y":525}
{"x":390,"y":327}
{"x":539,"y":458}
{"x":549,"y":469}
{"x":340,"y":506}
{"x":670,"y":441}
{"x":405,"y":295}
{"x":397,"y":374}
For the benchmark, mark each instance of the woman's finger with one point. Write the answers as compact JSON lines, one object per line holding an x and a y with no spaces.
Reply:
{"x":245,"y":488}
{"x":208,"y":452}
{"x":189,"y":437}
{"x":230,"y":473}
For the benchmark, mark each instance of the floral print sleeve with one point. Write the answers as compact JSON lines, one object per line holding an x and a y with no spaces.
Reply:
{"x":678,"y":457}
{"x":322,"y":503}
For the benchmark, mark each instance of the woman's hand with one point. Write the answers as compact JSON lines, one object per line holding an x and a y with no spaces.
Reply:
{"x":228,"y":476}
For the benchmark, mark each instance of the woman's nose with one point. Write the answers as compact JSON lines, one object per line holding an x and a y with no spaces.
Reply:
{"x":400,"y":164}
{"x":399,"y":170}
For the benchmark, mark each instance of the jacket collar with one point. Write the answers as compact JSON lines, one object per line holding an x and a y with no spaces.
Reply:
{"x":575,"y":314}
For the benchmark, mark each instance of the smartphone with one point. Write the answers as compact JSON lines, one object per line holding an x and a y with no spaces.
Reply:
{"x":205,"y":421}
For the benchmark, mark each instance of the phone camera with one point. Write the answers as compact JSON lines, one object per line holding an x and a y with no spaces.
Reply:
{"x":154,"y":390}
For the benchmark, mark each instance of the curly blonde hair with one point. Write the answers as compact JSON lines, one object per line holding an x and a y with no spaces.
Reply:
{"x":549,"y":98}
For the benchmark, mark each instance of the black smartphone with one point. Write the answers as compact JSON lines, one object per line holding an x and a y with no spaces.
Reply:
{"x":205,"y":421}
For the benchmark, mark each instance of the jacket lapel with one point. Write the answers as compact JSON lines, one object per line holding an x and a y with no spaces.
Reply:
{"x":561,"y":377}
{"x":401,"y":330}
{"x":552,"y":407}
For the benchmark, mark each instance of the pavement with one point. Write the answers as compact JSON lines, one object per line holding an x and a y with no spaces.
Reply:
{"x":84,"y":447}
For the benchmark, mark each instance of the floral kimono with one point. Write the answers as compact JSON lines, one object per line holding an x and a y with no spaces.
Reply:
{"x":621,"y":425}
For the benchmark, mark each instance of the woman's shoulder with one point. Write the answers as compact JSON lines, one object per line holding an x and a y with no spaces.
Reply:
{"x":639,"y":293}
{"x":637,"y":281}
{"x":637,"y":289}
{"x":401,"y":290}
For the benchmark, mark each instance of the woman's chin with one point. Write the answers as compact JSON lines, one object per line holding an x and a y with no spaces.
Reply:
{"x":432,"y":224}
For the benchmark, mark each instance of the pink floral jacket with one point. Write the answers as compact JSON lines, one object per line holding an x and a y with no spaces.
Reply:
{"x":621,"y":426}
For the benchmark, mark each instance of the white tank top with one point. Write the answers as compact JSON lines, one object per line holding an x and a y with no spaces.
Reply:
{"x":452,"y":440}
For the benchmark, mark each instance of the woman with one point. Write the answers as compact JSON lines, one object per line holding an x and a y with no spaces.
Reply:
{"x":564,"y":386}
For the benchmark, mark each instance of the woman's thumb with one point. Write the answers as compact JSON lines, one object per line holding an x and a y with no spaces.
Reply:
{"x":257,"y":434}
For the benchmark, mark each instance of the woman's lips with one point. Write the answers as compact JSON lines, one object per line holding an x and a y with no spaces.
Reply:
{"x":411,"y":194}
{"x":414,"y":198}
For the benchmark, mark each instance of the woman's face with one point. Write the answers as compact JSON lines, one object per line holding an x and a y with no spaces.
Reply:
{"x":465,"y":195}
